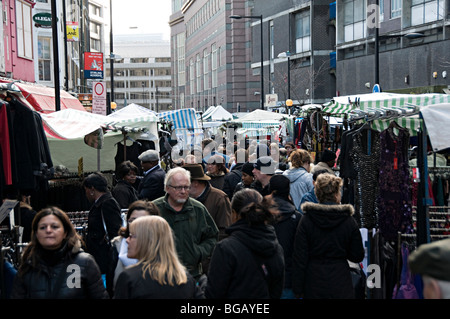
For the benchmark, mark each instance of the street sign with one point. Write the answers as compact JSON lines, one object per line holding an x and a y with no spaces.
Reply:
{"x":99,"y":98}
{"x":93,"y":65}
{"x":376,"y":88}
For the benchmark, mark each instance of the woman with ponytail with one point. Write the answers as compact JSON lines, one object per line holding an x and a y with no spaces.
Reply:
{"x":249,"y":263}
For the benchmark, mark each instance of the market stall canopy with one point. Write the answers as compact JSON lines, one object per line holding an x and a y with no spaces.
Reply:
{"x":185,"y":124}
{"x":259,"y":121}
{"x":42,"y":98}
{"x":437,"y":120}
{"x":218,"y":113}
{"x":402,"y":108}
{"x":132,"y":111}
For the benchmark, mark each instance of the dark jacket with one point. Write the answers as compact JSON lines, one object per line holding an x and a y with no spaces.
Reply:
{"x":232,"y":179}
{"x":96,"y":242}
{"x":218,"y":206}
{"x":151,"y":186}
{"x":124,"y":193}
{"x":327,"y":237}
{"x":248,"y":264}
{"x":37,"y":283}
{"x":131,"y":285}
{"x":285,"y":228}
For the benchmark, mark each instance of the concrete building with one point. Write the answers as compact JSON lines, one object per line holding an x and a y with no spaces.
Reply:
{"x":407,"y":63}
{"x":142,"y":71}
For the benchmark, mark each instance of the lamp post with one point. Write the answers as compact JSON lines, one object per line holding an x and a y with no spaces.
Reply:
{"x":260,"y":17}
{"x":111,"y":54}
{"x":55,"y":56}
{"x":287,"y":55}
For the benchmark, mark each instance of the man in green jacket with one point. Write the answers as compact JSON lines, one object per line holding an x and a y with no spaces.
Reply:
{"x":194,"y":229}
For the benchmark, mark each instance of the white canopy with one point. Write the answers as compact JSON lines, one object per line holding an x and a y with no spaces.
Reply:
{"x":217,"y":114}
{"x":437,"y":119}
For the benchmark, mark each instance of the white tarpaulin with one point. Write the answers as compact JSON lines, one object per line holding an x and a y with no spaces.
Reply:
{"x":217,"y":114}
{"x":437,"y":122}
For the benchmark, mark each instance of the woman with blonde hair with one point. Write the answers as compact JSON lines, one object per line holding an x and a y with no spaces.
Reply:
{"x":327,"y":238}
{"x":158,"y":274}
{"x":299,"y":175}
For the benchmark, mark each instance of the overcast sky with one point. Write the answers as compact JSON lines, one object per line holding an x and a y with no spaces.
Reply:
{"x":141,"y":17}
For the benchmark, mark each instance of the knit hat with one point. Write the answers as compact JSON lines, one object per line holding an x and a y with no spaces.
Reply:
{"x":266,"y":165}
{"x":280,"y":184}
{"x":328,"y":156}
{"x":432,"y":259}
{"x":247,"y":168}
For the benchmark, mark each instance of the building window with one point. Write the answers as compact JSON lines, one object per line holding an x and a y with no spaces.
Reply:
{"x":424,"y":11}
{"x":354,"y":20}
{"x":198,"y":71}
{"x":205,"y":69}
{"x":214,"y":65}
{"x":44,"y":59}
{"x":192,"y":76}
{"x":396,"y":8}
{"x":302,"y":32}
{"x":180,"y":58}
{"x":24,"y":30}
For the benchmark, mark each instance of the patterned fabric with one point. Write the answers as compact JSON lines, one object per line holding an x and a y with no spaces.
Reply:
{"x":394,"y":199}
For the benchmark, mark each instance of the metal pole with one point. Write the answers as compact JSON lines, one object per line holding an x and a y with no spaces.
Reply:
{"x":262,"y":65}
{"x":377,"y":51}
{"x":55,"y":56}
{"x":289,"y":78}
{"x":111,"y":54}
{"x":66,"y":57}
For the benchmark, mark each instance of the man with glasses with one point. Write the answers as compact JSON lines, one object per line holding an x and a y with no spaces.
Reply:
{"x":195,"y":232}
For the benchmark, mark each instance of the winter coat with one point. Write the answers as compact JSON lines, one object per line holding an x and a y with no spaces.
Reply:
{"x":248,"y":264}
{"x":285,"y":228}
{"x":194,"y":229}
{"x":151,"y":186}
{"x":38,"y":282}
{"x":218,"y":206}
{"x":124,"y":193}
{"x":97,"y":244}
{"x":301,"y":183}
{"x":308,"y":197}
{"x":131,"y":285}
{"x":232,"y":179}
{"x":327,"y":237}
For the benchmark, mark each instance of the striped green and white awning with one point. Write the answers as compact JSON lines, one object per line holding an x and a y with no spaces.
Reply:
{"x":371,"y":102}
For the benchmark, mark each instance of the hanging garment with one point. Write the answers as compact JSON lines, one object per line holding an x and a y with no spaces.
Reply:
{"x":366,"y":164}
{"x":405,"y":289}
{"x":5,"y":147}
{"x":132,"y":153}
{"x":394,"y":198}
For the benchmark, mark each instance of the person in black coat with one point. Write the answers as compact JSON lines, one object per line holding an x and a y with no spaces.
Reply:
{"x":151,"y":186}
{"x":235,"y":175}
{"x":285,"y":224}
{"x":124,"y":192}
{"x":104,"y":220}
{"x":327,"y":238}
{"x":249,"y":263}
{"x":158,"y":274}
{"x":54,"y":266}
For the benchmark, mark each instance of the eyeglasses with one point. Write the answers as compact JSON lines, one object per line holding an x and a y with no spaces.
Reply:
{"x":179,"y":188}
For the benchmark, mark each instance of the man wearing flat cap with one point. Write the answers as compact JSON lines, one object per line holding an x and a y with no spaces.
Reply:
{"x":432,"y":262}
{"x":215,"y":200}
{"x":152,"y":185}
{"x":327,"y":161}
{"x":263,"y":169}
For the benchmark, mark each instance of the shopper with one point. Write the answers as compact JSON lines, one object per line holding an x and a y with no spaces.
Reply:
{"x":158,"y":274}
{"x":151,"y":186}
{"x":124,"y":192}
{"x":327,"y":238}
{"x":301,"y":180}
{"x":119,"y":246}
{"x":195,"y":231}
{"x":249,"y":263}
{"x":53,"y":265}
{"x":104,"y":219}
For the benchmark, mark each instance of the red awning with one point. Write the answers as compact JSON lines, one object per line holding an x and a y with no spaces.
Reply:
{"x":43,"y":98}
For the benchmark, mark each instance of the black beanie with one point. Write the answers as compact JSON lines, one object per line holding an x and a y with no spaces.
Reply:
{"x":328,"y":156}
{"x":280,"y":184}
{"x":247,"y":168}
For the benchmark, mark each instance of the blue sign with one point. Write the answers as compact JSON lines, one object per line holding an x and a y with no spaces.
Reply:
{"x":376,"y":88}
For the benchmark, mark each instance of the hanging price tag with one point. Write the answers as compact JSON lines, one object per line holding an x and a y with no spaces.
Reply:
{"x":395,"y":163}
